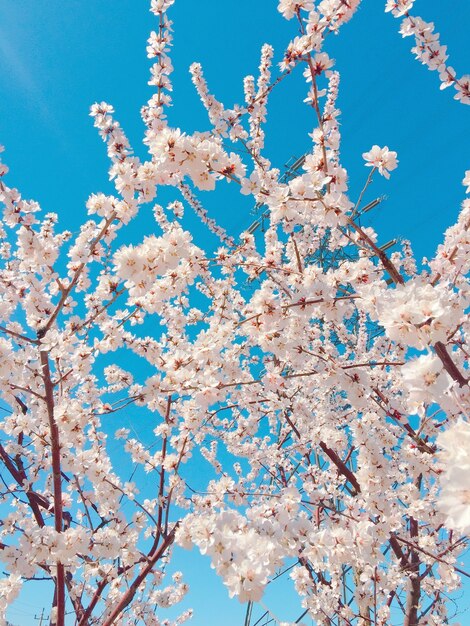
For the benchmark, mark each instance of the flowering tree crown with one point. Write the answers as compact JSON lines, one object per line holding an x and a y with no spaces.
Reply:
{"x":311,"y":370}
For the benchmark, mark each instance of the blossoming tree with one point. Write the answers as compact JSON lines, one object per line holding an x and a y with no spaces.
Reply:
{"x":322,"y":436}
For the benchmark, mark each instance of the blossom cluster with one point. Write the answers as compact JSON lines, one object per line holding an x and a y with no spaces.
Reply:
{"x":428,"y":49}
{"x":243,"y":556}
{"x":308,"y":371}
{"x":455,"y":495}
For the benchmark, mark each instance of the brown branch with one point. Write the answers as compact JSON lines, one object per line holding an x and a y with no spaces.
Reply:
{"x":435,"y":557}
{"x":145,"y":571}
{"x":388,"y":265}
{"x":56,"y":480}
{"x":101,"y":310}
{"x":450,"y":258}
{"x":372,"y":364}
{"x":398,"y":552}
{"x":76,"y":601}
{"x":414,"y":589}
{"x":449,"y":364}
{"x":342,"y":467}
{"x":396,"y":417}
{"x":17,"y":335}
{"x":35,"y":500}
{"x":74,"y":281}
{"x":297,"y":254}
{"x":94,"y":601}
{"x":161,"y":487}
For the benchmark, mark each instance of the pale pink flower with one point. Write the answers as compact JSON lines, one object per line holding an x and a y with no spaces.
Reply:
{"x":383,"y":159}
{"x":454,"y":499}
{"x":288,"y":8}
{"x":466,"y":181}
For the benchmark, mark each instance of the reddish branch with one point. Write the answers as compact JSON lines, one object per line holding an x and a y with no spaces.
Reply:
{"x":35,"y":500}
{"x":394,"y":544}
{"x":94,"y":601}
{"x":439,"y":347}
{"x":420,"y":443}
{"x":297,"y":254}
{"x":59,"y":596}
{"x":16,"y":335}
{"x":133,"y":588}
{"x":450,"y":258}
{"x":435,"y":556}
{"x":334,"y":458}
{"x":414,"y":592}
{"x":154,"y":555}
{"x":342,"y":467}
{"x":388,"y":265}
{"x":66,"y":292}
{"x":449,"y":364}
{"x":161,"y":487}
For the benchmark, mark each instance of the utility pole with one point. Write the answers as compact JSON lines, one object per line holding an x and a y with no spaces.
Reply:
{"x":41,"y":617}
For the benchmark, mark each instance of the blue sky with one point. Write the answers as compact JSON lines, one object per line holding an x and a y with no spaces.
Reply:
{"x":57,"y":58}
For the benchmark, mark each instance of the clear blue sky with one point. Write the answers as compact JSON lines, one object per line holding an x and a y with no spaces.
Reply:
{"x":57,"y":58}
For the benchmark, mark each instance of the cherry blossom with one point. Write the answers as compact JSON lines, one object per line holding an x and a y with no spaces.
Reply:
{"x":383,"y":159}
{"x":455,"y":495}
{"x":288,"y":8}
{"x":428,"y":49}
{"x":318,"y":382}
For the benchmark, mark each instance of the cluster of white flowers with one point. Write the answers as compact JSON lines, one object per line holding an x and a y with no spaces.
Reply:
{"x":383,"y":159}
{"x":200,"y":157}
{"x":333,"y":12}
{"x":428,"y":49}
{"x":244,"y":558}
{"x":417,"y":314}
{"x":245,"y":552}
{"x":201,"y":212}
{"x":453,"y":255}
{"x":257,"y":102}
{"x":455,"y":495}
{"x":158,"y":48}
{"x":288,"y":8}
{"x":225,"y":122}
{"x":310,"y":370}
{"x":171,"y":256}
{"x":425,"y":381}
{"x":6,"y":350}
{"x":10,"y":587}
